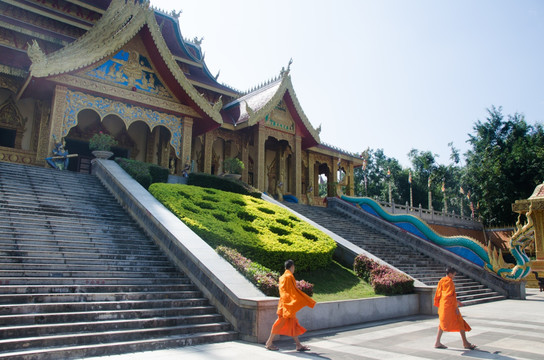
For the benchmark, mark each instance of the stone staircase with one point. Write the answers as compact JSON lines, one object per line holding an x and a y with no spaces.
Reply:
{"x":78,"y":278}
{"x":403,"y":257}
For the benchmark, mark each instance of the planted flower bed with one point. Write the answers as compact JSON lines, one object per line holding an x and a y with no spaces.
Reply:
{"x":384,"y":280}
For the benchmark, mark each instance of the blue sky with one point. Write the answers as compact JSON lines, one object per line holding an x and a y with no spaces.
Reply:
{"x":390,"y":74}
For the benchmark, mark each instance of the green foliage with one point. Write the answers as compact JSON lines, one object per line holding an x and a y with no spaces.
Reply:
{"x":144,"y":173}
{"x":233,"y":166}
{"x":102,"y":142}
{"x":384,"y":279}
{"x":265,"y":279}
{"x":222,"y":183}
{"x":504,"y":164}
{"x":239,"y":222}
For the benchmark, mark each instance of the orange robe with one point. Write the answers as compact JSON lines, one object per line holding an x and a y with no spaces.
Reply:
{"x":292,"y":299}
{"x":448,"y":312}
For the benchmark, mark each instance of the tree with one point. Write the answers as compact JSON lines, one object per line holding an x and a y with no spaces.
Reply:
{"x":377,"y":186}
{"x":504,"y":164}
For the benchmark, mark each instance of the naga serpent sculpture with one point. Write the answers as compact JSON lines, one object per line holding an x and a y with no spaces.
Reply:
{"x":464,"y":246}
{"x":519,"y":241}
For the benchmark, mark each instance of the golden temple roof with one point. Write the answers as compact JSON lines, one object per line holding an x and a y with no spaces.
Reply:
{"x":120,"y":23}
{"x":254,"y":106}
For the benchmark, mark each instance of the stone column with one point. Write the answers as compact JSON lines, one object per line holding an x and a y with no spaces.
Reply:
{"x":208,"y":152}
{"x":298,"y":166}
{"x":187,"y":141}
{"x":260,"y":161}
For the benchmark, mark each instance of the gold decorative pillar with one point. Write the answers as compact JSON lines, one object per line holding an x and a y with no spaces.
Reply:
{"x":151,"y":155}
{"x":47,"y":143}
{"x":350,"y":183}
{"x":187,"y":140}
{"x":260,"y":161}
{"x":245,"y":157}
{"x":208,"y":152}
{"x":298,"y":166}
{"x":44,"y":133}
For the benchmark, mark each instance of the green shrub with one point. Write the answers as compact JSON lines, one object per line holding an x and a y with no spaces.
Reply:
{"x":239,"y":222}
{"x":158,"y":174}
{"x":144,"y":173}
{"x":384,"y":280}
{"x":221,"y":183}
{"x":265,"y":279}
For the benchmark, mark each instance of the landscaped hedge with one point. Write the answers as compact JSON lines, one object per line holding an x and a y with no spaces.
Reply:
{"x":383,"y":279}
{"x":263,"y":232}
{"x":144,"y":173}
{"x":222,"y":183}
{"x":265,"y":279}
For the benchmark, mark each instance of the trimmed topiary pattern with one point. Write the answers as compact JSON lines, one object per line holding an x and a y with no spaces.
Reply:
{"x":263,"y":232}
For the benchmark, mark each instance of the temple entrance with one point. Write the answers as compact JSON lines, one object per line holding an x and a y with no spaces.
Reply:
{"x":137,"y":142}
{"x":279,"y":167}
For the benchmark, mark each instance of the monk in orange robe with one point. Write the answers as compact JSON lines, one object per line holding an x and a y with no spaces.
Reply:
{"x":448,"y":311}
{"x":292,"y":300}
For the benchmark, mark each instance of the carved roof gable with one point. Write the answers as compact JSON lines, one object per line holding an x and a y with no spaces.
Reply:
{"x":263,"y":104}
{"x":119,"y":24}
{"x":130,"y":68}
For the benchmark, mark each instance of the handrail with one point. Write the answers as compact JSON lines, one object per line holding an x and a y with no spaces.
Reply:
{"x":432,"y":216}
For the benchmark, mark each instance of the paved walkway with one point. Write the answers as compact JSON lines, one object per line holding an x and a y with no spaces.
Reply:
{"x":507,"y":329}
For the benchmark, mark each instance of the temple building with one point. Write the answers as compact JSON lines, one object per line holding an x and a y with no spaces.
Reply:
{"x":72,"y":68}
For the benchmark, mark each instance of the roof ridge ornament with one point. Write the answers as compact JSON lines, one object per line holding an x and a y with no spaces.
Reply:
{"x":249,"y":110}
{"x":218,"y":104}
{"x":283,"y":72}
{"x":35,"y":53}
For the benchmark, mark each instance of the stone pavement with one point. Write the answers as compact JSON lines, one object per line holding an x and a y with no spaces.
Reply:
{"x":507,"y":329}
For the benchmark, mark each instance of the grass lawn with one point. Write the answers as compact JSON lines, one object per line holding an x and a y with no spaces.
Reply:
{"x":336,"y":282}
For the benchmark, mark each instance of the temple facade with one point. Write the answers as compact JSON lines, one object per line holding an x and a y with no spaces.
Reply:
{"x":72,"y":68}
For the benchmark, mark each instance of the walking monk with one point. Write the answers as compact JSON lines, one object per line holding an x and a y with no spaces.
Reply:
{"x":291,"y":300}
{"x":448,"y":311}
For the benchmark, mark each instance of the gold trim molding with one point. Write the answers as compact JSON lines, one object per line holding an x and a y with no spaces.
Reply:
{"x":125,"y":94}
{"x":77,"y":101}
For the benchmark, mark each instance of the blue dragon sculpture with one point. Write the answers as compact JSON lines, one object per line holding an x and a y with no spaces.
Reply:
{"x":466,"y":247}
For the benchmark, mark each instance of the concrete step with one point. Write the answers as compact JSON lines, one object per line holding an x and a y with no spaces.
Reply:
{"x":75,"y":339}
{"x":25,"y":331}
{"x":181,"y":284}
{"x":97,"y":314}
{"x":95,"y":349}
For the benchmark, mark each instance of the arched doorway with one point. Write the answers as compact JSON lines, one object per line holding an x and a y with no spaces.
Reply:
{"x":279,"y":167}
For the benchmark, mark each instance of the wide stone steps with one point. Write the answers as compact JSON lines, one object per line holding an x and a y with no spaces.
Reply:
{"x":79,"y":327}
{"x":79,"y":278}
{"x":104,"y":349}
{"x":418,"y":265}
{"x":74,"y":339}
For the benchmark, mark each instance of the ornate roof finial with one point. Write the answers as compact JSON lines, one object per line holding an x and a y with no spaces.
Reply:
{"x":284,"y":72}
{"x":219,"y":72}
{"x":176,"y":14}
{"x":318,"y":129}
{"x":218,"y":104}
{"x":34,"y":52}
{"x":197,"y":41}
{"x":249,"y":110}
